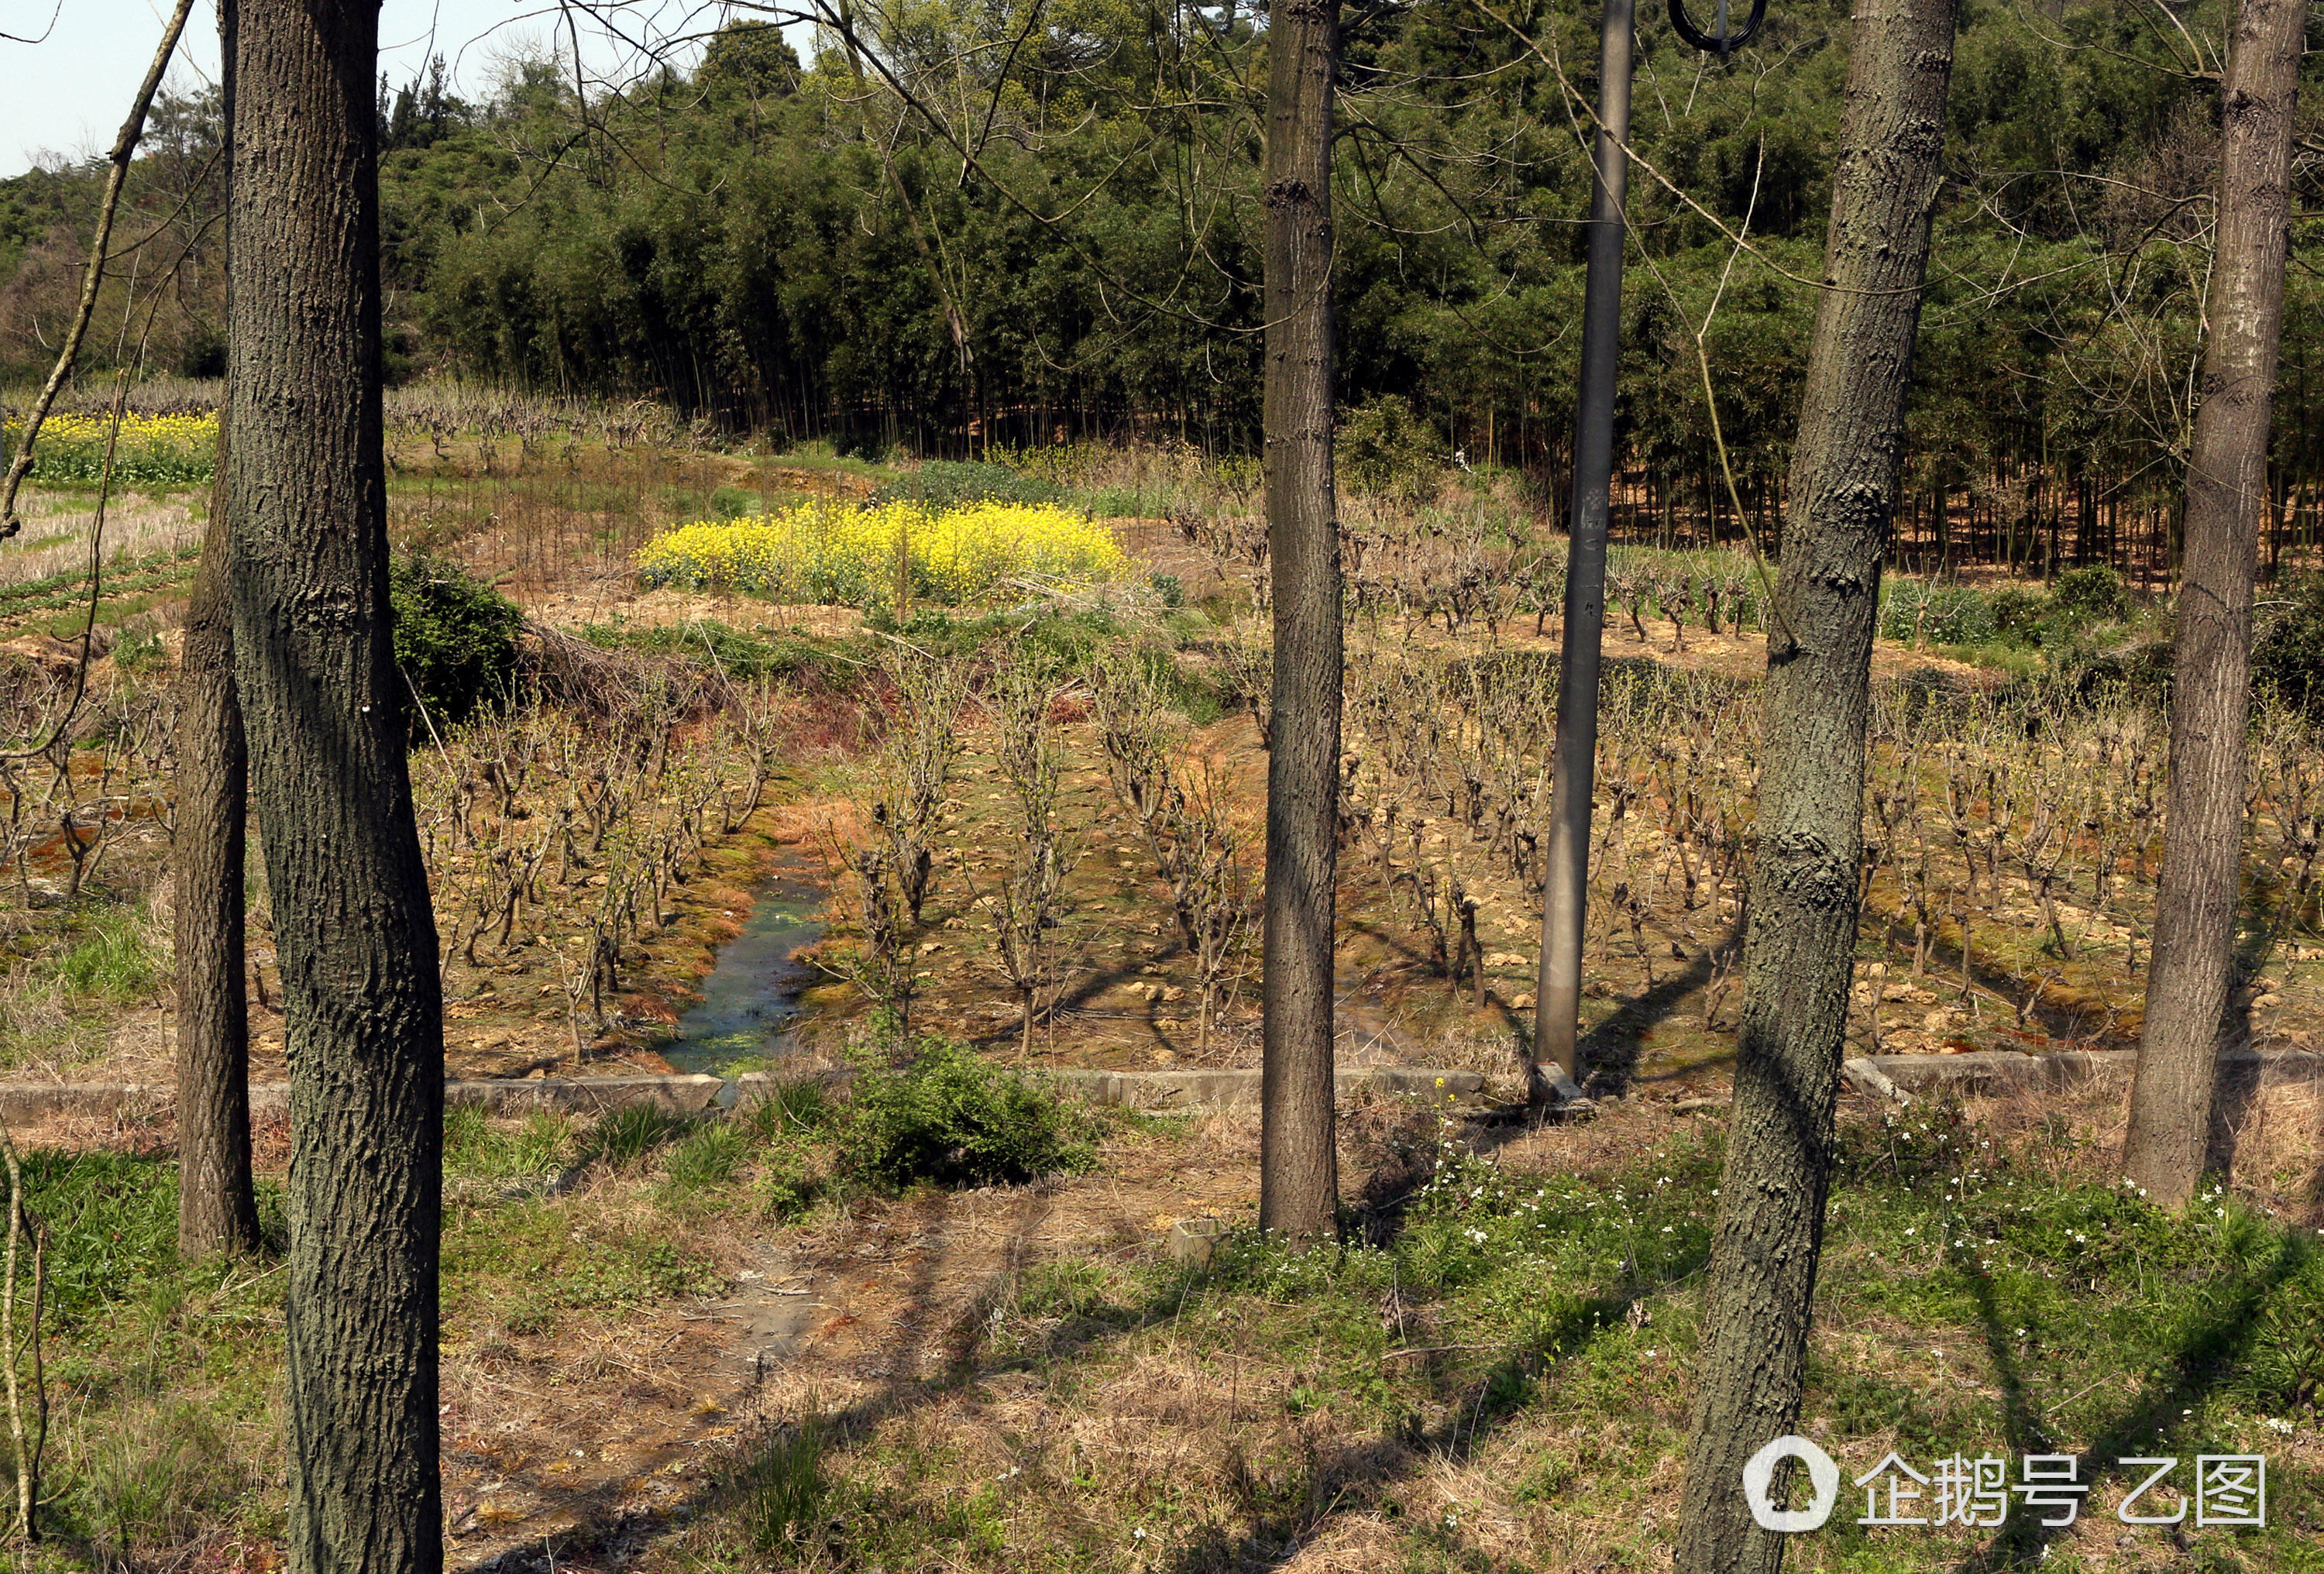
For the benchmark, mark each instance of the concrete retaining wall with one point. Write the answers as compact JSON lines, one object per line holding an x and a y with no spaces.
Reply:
{"x":1991,"y":1072}
{"x":23,"y":1102}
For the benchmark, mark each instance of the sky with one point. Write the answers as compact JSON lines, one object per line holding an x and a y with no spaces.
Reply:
{"x":69,"y":92}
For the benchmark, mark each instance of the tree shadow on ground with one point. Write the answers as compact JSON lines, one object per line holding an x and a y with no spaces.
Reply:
{"x":611,"y":1534}
{"x":1281,"y":1507}
{"x":1283,"y":1515}
{"x":2212,"y":1351}
{"x":1609,"y":1052}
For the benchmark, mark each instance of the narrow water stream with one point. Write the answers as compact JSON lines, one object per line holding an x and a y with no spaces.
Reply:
{"x":752,"y":997}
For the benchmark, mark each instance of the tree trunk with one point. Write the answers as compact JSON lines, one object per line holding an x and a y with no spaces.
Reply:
{"x":217,"y":1209}
{"x":1298,"y":1167}
{"x":362,"y":1000}
{"x":1800,"y":942}
{"x":2190,"y":970}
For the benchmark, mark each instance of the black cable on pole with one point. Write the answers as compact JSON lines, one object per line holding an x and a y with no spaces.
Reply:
{"x":1719,"y":42}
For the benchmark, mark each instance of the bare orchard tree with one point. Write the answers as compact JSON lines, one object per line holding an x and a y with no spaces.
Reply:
{"x":2210,"y":693}
{"x":912,"y":767}
{"x":1299,"y":1163}
{"x":1026,"y":905}
{"x":1182,"y":816}
{"x":362,"y":997}
{"x":1799,"y":942}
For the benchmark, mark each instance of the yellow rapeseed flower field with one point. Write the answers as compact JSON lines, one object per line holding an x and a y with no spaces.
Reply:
{"x":153,"y":449}
{"x":834,"y":555}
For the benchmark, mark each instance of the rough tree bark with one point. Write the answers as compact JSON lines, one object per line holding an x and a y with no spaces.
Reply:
{"x":361,"y":997}
{"x":1298,"y":1167}
{"x":217,"y":1209}
{"x":1799,"y":942}
{"x":2192,"y":960}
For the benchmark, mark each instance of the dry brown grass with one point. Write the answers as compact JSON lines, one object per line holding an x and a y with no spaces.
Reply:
{"x":57,"y":529}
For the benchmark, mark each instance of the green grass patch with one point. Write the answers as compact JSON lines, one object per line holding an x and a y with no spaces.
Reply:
{"x":532,"y":1262}
{"x":114,"y":958}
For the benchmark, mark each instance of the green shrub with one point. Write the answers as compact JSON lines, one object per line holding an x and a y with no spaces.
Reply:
{"x":943,"y":483}
{"x":455,"y":639}
{"x":139,"y":651}
{"x":785,"y":1185}
{"x":2019,"y":610}
{"x":952,"y":1118}
{"x":1938,"y":614}
{"x":1386,"y":450}
{"x":2084,"y":596}
{"x":2288,"y":657}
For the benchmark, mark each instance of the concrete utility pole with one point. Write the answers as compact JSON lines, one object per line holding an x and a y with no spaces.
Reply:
{"x":1565,"y":892}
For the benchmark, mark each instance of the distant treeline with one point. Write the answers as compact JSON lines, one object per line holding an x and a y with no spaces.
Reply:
{"x":795,"y":248}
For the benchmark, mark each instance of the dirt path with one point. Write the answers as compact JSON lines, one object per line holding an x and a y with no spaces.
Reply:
{"x":585,"y":1451}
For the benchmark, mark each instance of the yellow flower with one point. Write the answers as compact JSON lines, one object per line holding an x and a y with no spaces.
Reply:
{"x":150,"y":450}
{"x":825,"y":552}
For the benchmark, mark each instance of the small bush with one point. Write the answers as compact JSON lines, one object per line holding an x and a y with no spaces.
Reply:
{"x":785,"y":1186}
{"x":455,"y":639}
{"x":1385,"y":450}
{"x":2085,"y":597}
{"x":2289,"y":658}
{"x":952,"y":1118}
{"x":1937,"y":614}
{"x":139,"y":651}
{"x":787,"y":1129}
{"x":2019,"y":610}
